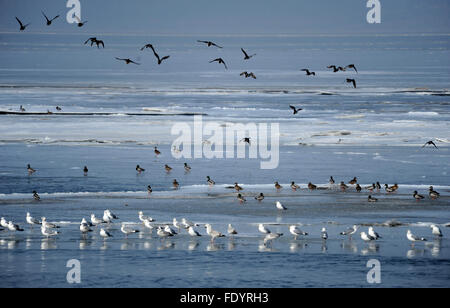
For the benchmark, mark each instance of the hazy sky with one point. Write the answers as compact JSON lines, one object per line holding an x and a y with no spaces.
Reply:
{"x":232,"y":16}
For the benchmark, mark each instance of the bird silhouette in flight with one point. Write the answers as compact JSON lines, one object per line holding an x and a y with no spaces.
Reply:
{"x":430,"y":143}
{"x":209,"y":43}
{"x":49,"y":21}
{"x":80,"y":23}
{"x":148,"y":46}
{"x":220,"y":61}
{"x":351,"y":66}
{"x":247,"y":75}
{"x":22,"y":26}
{"x":295,"y":110}
{"x":353,"y":81}
{"x":127,"y":61}
{"x":308,"y":73}
{"x":160,"y":60}
{"x":94,"y":40}
{"x":336,"y":69}
{"x":246,"y":56}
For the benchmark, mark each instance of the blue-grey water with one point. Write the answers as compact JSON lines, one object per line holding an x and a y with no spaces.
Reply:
{"x":375,"y":132}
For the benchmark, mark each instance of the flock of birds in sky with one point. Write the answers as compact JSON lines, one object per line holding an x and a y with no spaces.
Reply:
{"x":94,"y":40}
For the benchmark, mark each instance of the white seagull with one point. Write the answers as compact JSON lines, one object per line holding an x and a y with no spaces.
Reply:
{"x":3,"y":222}
{"x":108,"y":216}
{"x":167,"y":228}
{"x":263,"y":229}
{"x":296,"y":231}
{"x":148,"y":225}
{"x":412,"y":238}
{"x":14,"y":227}
{"x":231,"y":230}
{"x":142,"y":217}
{"x":280,"y":206}
{"x":350,"y":231}
{"x":96,"y":221}
{"x":373,"y":234}
{"x":161,"y":233}
{"x":367,"y":238}
{"x":128,"y":231}
{"x":271,"y":236}
{"x":48,"y":232}
{"x":324,"y":234}
{"x":186,"y":223}
{"x":212,"y":233}
{"x":84,"y":221}
{"x":192,"y":232}
{"x":84,"y":228}
{"x":32,"y":221}
{"x":48,"y":225}
{"x":105,"y":234}
{"x":436,"y":231}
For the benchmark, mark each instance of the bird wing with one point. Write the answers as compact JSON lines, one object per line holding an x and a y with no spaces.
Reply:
{"x":101,"y":42}
{"x":246,"y":55}
{"x":45,"y":16}
{"x":19,"y":22}
{"x":165,"y":58}
{"x":216,"y":45}
{"x":120,"y":59}
{"x":77,"y":18}
{"x":57,"y":16}
{"x":202,"y":41}
{"x":214,"y":60}
{"x":354,"y":83}
{"x":131,"y":61}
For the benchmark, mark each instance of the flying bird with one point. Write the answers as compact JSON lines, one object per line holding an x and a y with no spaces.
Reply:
{"x":296,"y":110}
{"x":308,"y":73}
{"x":336,"y":69}
{"x":430,"y":143}
{"x":127,"y":61}
{"x":351,"y":66}
{"x":247,"y":75}
{"x":246,"y":56}
{"x":49,"y":21}
{"x":209,"y":43}
{"x":80,"y":23}
{"x":22,"y":26}
{"x":353,"y":81}
{"x":148,"y":46}
{"x":220,"y":61}
{"x":160,"y":60}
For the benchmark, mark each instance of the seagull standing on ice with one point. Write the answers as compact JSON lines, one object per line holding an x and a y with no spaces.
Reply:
{"x":48,"y":225}
{"x":105,"y":234}
{"x":366,"y":238}
{"x":84,"y":228}
{"x":280,"y":206}
{"x":373,"y":234}
{"x":214,"y":234}
{"x":108,"y":216}
{"x":13,"y":227}
{"x":192,"y":232}
{"x":32,"y":221}
{"x":161,"y":233}
{"x":96,"y":221}
{"x":412,"y":238}
{"x":350,"y":231}
{"x":271,"y":236}
{"x":324,"y":234}
{"x":142,"y":217}
{"x":263,"y":229}
{"x":231,"y":230}
{"x":48,"y":232}
{"x":295,"y":231}
{"x":436,"y":231}
{"x":148,"y":225}
{"x":128,"y":231}
{"x":167,"y":228}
